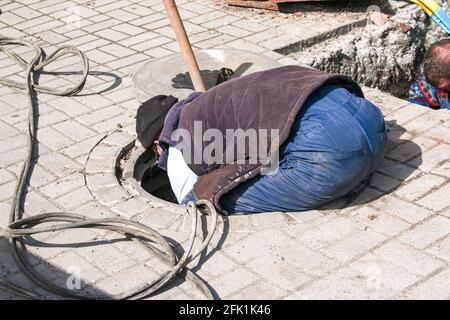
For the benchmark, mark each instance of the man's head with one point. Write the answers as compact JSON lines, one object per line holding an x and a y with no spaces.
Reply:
{"x":437,"y":64}
{"x":150,"y":118}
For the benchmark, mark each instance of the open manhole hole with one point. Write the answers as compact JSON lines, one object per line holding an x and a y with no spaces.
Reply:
{"x":139,"y":173}
{"x":152,"y":178}
{"x":138,"y":169}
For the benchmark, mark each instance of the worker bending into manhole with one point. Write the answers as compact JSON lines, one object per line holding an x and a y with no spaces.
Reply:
{"x":286,"y":139}
{"x":433,"y":87}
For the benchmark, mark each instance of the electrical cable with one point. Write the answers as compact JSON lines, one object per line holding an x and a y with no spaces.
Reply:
{"x":20,"y":227}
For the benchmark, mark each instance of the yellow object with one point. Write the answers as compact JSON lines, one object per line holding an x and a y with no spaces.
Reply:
{"x":436,"y":13}
{"x":429,"y":6}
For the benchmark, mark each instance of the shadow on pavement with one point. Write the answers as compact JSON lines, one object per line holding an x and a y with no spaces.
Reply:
{"x":369,"y":190}
{"x":115,"y":82}
{"x":12,"y":278}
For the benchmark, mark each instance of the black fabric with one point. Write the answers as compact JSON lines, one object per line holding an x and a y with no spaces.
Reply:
{"x":150,"y":118}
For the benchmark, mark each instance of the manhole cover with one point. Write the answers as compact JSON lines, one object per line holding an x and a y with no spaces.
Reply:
{"x":155,"y":77}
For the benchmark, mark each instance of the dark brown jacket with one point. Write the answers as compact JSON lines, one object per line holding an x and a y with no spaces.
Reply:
{"x":266,"y":100}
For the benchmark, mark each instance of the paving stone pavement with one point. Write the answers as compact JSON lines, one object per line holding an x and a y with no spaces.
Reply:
{"x":388,"y":239}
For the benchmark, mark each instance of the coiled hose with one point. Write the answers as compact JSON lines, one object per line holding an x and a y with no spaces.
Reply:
{"x":22,"y":227}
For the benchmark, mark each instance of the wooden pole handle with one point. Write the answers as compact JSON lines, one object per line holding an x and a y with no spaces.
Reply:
{"x":185,"y":45}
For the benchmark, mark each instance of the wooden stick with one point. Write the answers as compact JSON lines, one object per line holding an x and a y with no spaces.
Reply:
{"x":185,"y":45}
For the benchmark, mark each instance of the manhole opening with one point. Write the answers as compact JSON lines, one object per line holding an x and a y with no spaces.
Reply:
{"x":152,"y":178}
